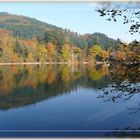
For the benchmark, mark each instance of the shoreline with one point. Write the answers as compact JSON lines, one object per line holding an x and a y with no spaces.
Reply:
{"x":49,"y":63}
{"x":67,"y":63}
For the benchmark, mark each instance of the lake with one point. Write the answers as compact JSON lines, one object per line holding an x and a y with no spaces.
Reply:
{"x":67,"y":100}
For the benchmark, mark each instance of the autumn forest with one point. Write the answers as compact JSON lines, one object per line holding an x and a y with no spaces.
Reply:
{"x":24,"y":39}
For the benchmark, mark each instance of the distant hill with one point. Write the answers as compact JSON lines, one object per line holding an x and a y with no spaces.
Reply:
{"x":27,"y":28}
{"x":103,"y":40}
{"x":24,"y":26}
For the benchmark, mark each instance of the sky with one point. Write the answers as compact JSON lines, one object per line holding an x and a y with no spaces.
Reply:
{"x":78,"y":17}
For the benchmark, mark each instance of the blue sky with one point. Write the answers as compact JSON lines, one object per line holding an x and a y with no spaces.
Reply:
{"x":78,"y":17}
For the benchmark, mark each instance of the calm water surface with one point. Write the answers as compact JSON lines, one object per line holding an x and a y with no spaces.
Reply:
{"x":62,"y":97}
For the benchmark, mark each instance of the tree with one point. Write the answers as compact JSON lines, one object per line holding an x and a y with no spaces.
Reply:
{"x":21,"y":49}
{"x":135,"y":50}
{"x":105,"y":55}
{"x":51,"y":49}
{"x":129,"y":16}
{"x":1,"y":50}
{"x":78,"y":53}
{"x":66,"y":52}
{"x":54,"y":36}
{"x":30,"y":57}
{"x":121,"y":56}
{"x":41,"y":53}
{"x":95,"y":52}
{"x":5,"y":54}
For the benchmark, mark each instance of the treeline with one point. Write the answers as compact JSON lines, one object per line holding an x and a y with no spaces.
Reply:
{"x":127,"y":53}
{"x":55,"y":49}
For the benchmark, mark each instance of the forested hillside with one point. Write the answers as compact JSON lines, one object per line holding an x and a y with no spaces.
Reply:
{"x":28,"y":28}
{"x":24,"y":39}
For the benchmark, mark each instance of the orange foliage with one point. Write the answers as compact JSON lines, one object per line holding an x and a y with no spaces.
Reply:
{"x":31,"y":42}
{"x":13,"y":58}
{"x":105,"y":70}
{"x":51,"y":51}
{"x":13,"y":69}
{"x":120,"y":55}
{"x":30,"y":82}
{"x":105,"y":55}
{"x":51,"y":77}
{"x":4,"y":32}
{"x":4,"y":35}
{"x":5,"y":88}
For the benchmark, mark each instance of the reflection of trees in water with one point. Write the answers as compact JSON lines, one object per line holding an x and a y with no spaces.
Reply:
{"x":14,"y":77}
{"x":97,"y":76}
{"x":125,"y":84}
{"x":23,"y":85}
{"x":26,"y":85}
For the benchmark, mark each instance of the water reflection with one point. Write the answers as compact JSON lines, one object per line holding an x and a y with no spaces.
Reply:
{"x":125,"y":83}
{"x":23,"y":85}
